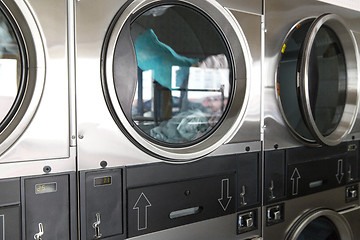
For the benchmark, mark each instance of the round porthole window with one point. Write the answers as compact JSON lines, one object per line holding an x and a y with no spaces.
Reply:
{"x":173,"y":77}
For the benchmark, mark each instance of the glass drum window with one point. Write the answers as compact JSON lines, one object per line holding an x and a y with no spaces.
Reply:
{"x":11,"y":71}
{"x":184,"y":77}
{"x":320,"y":229}
{"x":287,"y":86}
{"x":327,"y":80}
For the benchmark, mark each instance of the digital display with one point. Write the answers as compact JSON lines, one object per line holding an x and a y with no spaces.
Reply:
{"x":102,"y":181}
{"x":352,"y":147}
{"x":45,"y":188}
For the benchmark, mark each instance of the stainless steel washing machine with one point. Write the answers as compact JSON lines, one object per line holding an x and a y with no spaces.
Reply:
{"x":34,"y":114}
{"x":37,"y":158}
{"x":311,"y":120}
{"x":168,"y":113}
{"x":311,"y":74}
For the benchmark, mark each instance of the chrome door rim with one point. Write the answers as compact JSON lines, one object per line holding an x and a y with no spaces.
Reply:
{"x":349,"y":114}
{"x":338,"y":220}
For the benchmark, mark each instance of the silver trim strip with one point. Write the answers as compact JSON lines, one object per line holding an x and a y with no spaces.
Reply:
{"x":3,"y":226}
{"x":71,"y":72}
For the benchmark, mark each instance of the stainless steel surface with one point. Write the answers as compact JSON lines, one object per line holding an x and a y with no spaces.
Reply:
{"x":280,"y":17}
{"x":100,"y":139}
{"x":254,"y":6}
{"x":214,"y":229}
{"x":43,"y":132}
{"x":344,"y":215}
{"x":32,"y":168}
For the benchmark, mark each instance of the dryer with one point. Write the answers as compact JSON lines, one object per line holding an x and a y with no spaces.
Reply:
{"x":311,"y":75}
{"x":34,"y":118}
{"x":37,"y":164}
{"x":168,"y":113}
{"x":311,"y":109}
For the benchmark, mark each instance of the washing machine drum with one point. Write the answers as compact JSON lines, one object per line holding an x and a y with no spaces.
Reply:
{"x":321,"y":225}
{"x":317,"y":80}
{"x":174,"y":80}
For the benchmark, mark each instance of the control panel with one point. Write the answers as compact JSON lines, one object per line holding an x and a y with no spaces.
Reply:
{"x":102,"y":203}
{"x":48,"y":202}
{"x":297,"y":172}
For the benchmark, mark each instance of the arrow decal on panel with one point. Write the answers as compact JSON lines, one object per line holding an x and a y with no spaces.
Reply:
{"x":295,"y":181}
{"x":340,"y":172}
{"x":142,"y":205}
{"x":225,"y":198}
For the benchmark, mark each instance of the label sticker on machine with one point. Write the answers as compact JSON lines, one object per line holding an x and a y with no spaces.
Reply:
{"x":45,"y":188}
{"x":102,"y":181}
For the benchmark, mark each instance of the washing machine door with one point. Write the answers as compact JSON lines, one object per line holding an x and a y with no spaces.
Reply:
{"x":321,"y":225}
{"x":22,"y":70}
{"x":175,"y":76}
{"x":317,"y":80}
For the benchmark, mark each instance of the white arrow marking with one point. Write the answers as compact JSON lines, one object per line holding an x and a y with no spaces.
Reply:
{"x":340,"y":173}
{"x":225,"y":198}
{"x":141,"y":206}
{"x":295,"y":181}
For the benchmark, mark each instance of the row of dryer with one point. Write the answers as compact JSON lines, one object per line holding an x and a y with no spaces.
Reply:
{"x":156,"y":119}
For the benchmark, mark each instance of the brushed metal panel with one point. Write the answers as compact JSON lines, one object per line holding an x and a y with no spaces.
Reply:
{"x":213,"y":229}
{"x":47,"y":135}
{"x":253,"y":6}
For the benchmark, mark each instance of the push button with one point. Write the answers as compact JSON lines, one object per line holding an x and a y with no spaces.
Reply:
{"x":246,"y":222}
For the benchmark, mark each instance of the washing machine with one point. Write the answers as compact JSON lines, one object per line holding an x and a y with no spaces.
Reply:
{"x":37,"y":161}
{"x":34,"y":118}
{"x":168,"y":118}
{"x":311,"y":94}
{"x":311,"y":112}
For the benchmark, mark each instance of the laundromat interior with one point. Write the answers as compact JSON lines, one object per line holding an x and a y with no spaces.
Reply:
{"x":179,"y":119}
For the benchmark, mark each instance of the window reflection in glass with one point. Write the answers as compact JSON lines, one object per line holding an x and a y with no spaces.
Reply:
{"x":183,"y":74}
{"x":287,"y":79}
{"x":327,"y":80}
{"x":10,"y":67}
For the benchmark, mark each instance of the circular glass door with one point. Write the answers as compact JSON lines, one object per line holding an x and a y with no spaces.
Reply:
{"x":170,"y":76}
{"x":321,"y":225}
{"x":314,"y":80}
{"x":184,"y":75}
{"x":320,"y":229}
{"x":22,"y":71}
{"x":12,"y":76}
